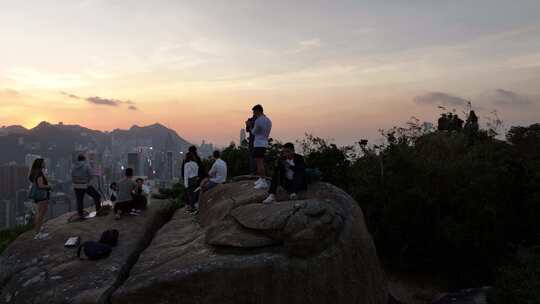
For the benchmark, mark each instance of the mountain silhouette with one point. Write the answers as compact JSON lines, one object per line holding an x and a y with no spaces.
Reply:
{"x":57,"y":141}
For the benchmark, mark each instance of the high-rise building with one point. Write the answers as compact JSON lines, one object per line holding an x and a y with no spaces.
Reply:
{"x":29,"y":159}
{"x":59,"y":204}
{"x":169,"y":165}
{"x":7,"y":213}
{"x":12,"y":178}
{"x":20,"y":197}
{"x":133,"y":162}
{"x":242,"y":136}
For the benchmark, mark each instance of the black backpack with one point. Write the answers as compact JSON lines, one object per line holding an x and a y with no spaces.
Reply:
{"x":94,"y":250}
{"x":109,"y":237}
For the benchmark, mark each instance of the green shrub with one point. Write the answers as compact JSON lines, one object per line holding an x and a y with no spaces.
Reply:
{"x":519,"y":280}
{"x":9,"y":235}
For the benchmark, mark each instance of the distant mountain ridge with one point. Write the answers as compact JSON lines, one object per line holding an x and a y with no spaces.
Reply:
{"x":56,"y":141}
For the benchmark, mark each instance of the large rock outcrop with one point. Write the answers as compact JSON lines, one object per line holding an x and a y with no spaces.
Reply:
{"x":313,"y":250}
{"x":237,"y":250}
{"x":33,"y":271}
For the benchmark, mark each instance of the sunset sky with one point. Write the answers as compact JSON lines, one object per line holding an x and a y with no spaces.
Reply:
{"x":337,"y":69}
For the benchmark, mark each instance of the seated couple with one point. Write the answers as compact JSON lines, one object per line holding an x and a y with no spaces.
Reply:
{"x":195,"y":185}
{"x":129,"y":197}
{"x":290,"y":173}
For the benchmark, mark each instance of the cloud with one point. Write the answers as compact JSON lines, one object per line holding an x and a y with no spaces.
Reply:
{"x":70,"y":95}
{"x":312,"y":43}
{"x":103,"y":101}
{"x":440,"y":99}
{"x":96,"y":100}
{"x":506,"y":97}
{"x":29,"y":77}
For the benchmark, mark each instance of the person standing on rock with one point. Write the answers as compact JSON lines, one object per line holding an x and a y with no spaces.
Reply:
{"x":261,"y":132}
{"x":40,"y":193}
{"x":81,"y":175}
{"x":191,"y":169}
{"x":126,"y":190}
{"x":290,"y":173}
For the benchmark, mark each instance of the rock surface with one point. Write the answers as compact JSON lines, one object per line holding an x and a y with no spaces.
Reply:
{"x":466,"y":296}
{"x":33,"y":271}
{"x":315,"y":250}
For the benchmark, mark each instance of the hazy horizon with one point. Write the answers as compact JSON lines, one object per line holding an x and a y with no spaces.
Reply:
{"x":340,"y":70}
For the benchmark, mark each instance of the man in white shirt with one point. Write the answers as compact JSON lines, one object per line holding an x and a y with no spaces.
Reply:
{"x":261,"y":131}
{"x":217,"y":174}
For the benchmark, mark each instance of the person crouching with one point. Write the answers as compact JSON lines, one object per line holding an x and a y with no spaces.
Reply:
{"x":290,"y":173}
{"x":126,"y":190}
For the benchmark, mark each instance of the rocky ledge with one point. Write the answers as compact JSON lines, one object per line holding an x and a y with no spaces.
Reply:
{"x":237,"y":250}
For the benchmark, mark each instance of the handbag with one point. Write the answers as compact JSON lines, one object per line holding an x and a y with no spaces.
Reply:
{"x":37,"y":194}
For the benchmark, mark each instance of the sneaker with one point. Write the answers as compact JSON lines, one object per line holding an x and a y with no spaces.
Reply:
{"x":41,"y":236}
{"x":134,"y":213}
{"x":258,"y":181}
{"x":118,"y":215}
{"x":293,"y":196}
{"x":195,"y":212}
{"x":270,"y":199}
{"x":262,"y":185}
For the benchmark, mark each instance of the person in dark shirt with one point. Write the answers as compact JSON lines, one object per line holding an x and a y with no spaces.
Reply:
{"x":139,"y":196}
{"x":290,"y":173}
{"x":250,"y":123}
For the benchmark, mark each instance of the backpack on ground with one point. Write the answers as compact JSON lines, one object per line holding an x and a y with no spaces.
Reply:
{"x":94,"y":250}
{"x":109,"y":237}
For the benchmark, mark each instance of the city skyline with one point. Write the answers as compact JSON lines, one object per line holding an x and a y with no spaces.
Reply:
{"x":340,"y":70}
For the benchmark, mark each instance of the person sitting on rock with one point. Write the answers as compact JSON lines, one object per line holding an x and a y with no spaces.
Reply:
{"x":217,"y":174}
{"x":191,"y":178}
{"x":290,"y":173}
{"x":140,"y":201}
{"x":126,"y":190}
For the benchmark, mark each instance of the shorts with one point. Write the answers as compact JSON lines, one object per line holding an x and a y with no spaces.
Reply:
{"x":210,"y":185}
{"x":259,"y":152}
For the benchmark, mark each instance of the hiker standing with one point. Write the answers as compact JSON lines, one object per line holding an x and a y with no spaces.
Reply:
{"x":81,"y":176}
{"x":261,"y":132}
{"x":191,"y":169}
{"x":40,"y":193}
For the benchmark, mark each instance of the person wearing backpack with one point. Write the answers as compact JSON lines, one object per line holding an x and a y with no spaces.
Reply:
{"x":81,"y":175}
{"x":40,"y":194}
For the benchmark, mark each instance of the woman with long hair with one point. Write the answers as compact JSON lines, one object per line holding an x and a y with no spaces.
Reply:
{"x":40,"y":193}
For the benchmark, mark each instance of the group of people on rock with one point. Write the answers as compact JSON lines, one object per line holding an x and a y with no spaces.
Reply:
{"x":290,"y":170}
{"x":197,"y":180}
{"x":128,"y":195}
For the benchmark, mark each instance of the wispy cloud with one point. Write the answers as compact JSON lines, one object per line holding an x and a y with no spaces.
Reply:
{"x":103,"y":101}
{"x":507,"y":97}
{"x":70,"y":95}
{"x":29,"y":77}
{"x":96,"y":100}
{"x":440,"y":99}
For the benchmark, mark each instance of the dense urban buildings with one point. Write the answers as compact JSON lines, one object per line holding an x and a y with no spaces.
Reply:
{"x":154,"y":152}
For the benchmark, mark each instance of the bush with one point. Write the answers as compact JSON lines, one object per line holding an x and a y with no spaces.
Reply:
{"x":9,"y":235}
{"x":456,"y":201}
{"x":176,"y":193}
{"x":519,"y":281}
